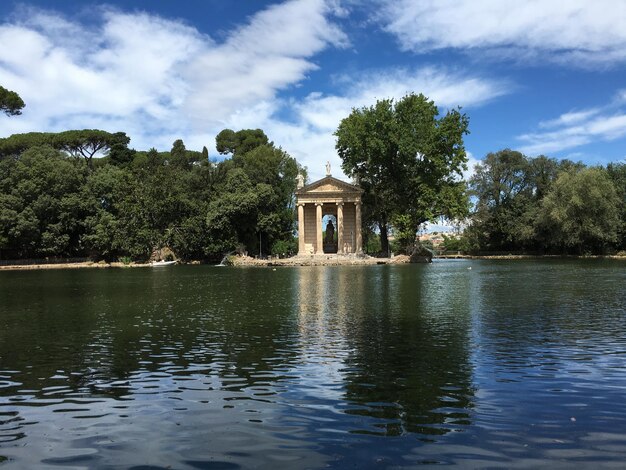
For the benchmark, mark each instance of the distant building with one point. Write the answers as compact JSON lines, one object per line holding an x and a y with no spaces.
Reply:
{"x":435,"y":238}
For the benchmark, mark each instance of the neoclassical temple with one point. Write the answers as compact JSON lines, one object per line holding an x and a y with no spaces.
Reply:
{"x":340,"y":204}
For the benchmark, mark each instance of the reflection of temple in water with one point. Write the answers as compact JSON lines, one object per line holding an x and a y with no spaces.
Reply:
{"x":394,"y":344}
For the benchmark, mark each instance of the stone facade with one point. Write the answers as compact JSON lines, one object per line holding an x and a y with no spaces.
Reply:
{"x":336,"y":198}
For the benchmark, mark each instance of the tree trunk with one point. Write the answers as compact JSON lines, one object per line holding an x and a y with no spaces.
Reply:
{"x":384,"y":238}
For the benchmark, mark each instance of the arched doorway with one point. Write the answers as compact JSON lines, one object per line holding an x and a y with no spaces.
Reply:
{"x":330,"y":233}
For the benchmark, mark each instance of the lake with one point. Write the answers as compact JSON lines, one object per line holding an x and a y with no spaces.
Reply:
{"x":517,"y":364}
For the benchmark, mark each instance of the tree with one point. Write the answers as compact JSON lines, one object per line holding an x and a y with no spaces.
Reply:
{"x":41,"y":210}
{"x":153,"y":159}
{"x":85,"y":143}
{"x":617,"y":172}
{"x":240,"y":142}
{"x":178,"y":149}
{"x":582,"y":211}
{"x":178,"y":154}
{"x":119,"y":153}
{"x":16,"y":144}
{"x":503,"y":191}
{"x":205,"y":154}
{"x":10,"y":102}
{"x":408,"y":160}
{"x":103,"y":195}
{"x":234,"y":216}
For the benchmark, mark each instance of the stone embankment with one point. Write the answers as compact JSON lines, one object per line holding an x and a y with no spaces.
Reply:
{"x":317,"y":260}
{"x":85,"y":264}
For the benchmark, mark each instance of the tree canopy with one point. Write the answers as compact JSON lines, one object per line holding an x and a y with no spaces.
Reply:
{"x":545,"y":205}
{"x":85,"y":143}
{"x":581,"y":212}
{"x":11,"y":103}
{"x":57,"y":199}
{"x":240,"y":142}
{"x":409,"y":161}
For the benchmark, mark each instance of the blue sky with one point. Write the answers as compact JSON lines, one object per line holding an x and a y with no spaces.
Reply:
{"x":544,"y":77}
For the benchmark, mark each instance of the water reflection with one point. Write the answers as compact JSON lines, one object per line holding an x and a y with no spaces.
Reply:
{"x":198,"y":367}
{"x":550,"y":367}
{"x":386,"y":350}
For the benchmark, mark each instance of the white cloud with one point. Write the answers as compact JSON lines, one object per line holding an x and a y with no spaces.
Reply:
{"x":260,"y":58}
{"x":568,"y":119}
{"x":159,"y":80}
{"x":155,"y":78}
{"x":573,"y":130}
{"x":575,"y":32}
{"x":309,"y":136}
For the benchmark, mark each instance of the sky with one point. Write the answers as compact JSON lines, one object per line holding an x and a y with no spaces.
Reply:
{"x":539,"y":76}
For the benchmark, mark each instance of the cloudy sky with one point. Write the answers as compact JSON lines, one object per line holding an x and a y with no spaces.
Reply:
{"x":541,"y":76}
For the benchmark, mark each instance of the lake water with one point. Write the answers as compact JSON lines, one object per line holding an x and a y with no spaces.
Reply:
{"x":517,"y":364}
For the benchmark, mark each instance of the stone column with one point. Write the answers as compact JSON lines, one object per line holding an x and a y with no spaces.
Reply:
{"x":319,"y":249}
{"x":359,"y":237}
{"x":301,"y":229}
{"x":340,"y":227}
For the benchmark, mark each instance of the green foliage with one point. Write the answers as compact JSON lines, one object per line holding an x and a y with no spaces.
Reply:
{"x":240,"y":142}
{"x":119,"y":153}
{"x":540,"y":204}
{"x":10,"y":102}
{"x":128,"y":204}
{"x":427,"y":244}
{"x":617,"y":173}
{"x":41,"y":210}
{"x":178,"y":154}
{"x":457,"y":243}
{"x":408,"y":160}
{"x":16,"y":144}
{"x":371,"y":242}
{"x":503,"y":187}
{"x":582,"y":211}
{"x":79,"y":144}
{"x":154,"y":158}
{"x":287,"y":247}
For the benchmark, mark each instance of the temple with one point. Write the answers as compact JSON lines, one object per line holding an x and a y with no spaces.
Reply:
{"x":332,"y":206}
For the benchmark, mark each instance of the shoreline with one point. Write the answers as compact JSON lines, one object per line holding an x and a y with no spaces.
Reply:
{"x":78,"y":265}
{"x":324,"y":260}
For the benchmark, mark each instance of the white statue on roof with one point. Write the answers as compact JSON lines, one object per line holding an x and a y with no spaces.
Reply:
{"x":327,"y":168}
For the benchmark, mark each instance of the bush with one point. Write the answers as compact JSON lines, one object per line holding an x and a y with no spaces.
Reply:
{"x":285,"y":247}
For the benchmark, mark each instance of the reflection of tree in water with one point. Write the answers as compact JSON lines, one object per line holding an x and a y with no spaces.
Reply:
{"x":216,"y":335}
{"x":409,"y":367}
{"x":91,"y":332}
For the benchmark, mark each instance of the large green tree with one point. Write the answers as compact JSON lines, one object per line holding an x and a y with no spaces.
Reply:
{"x":80,"y":144}
{"x":582,"y":212}
{"x":617,"y":172}
{"x":86,"y":143}
{"x":11,"y":103}
{"x":69,"y":202}
{"x":408,"y":159}
{"x":240,"y":142}
{"x":501,"y":184}
{"x":41,"y":211}
{"x":509,"y":188}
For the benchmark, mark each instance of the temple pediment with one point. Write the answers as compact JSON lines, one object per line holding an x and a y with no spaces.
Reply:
{"x":329,"y":185}
{"x":328,"y":188}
